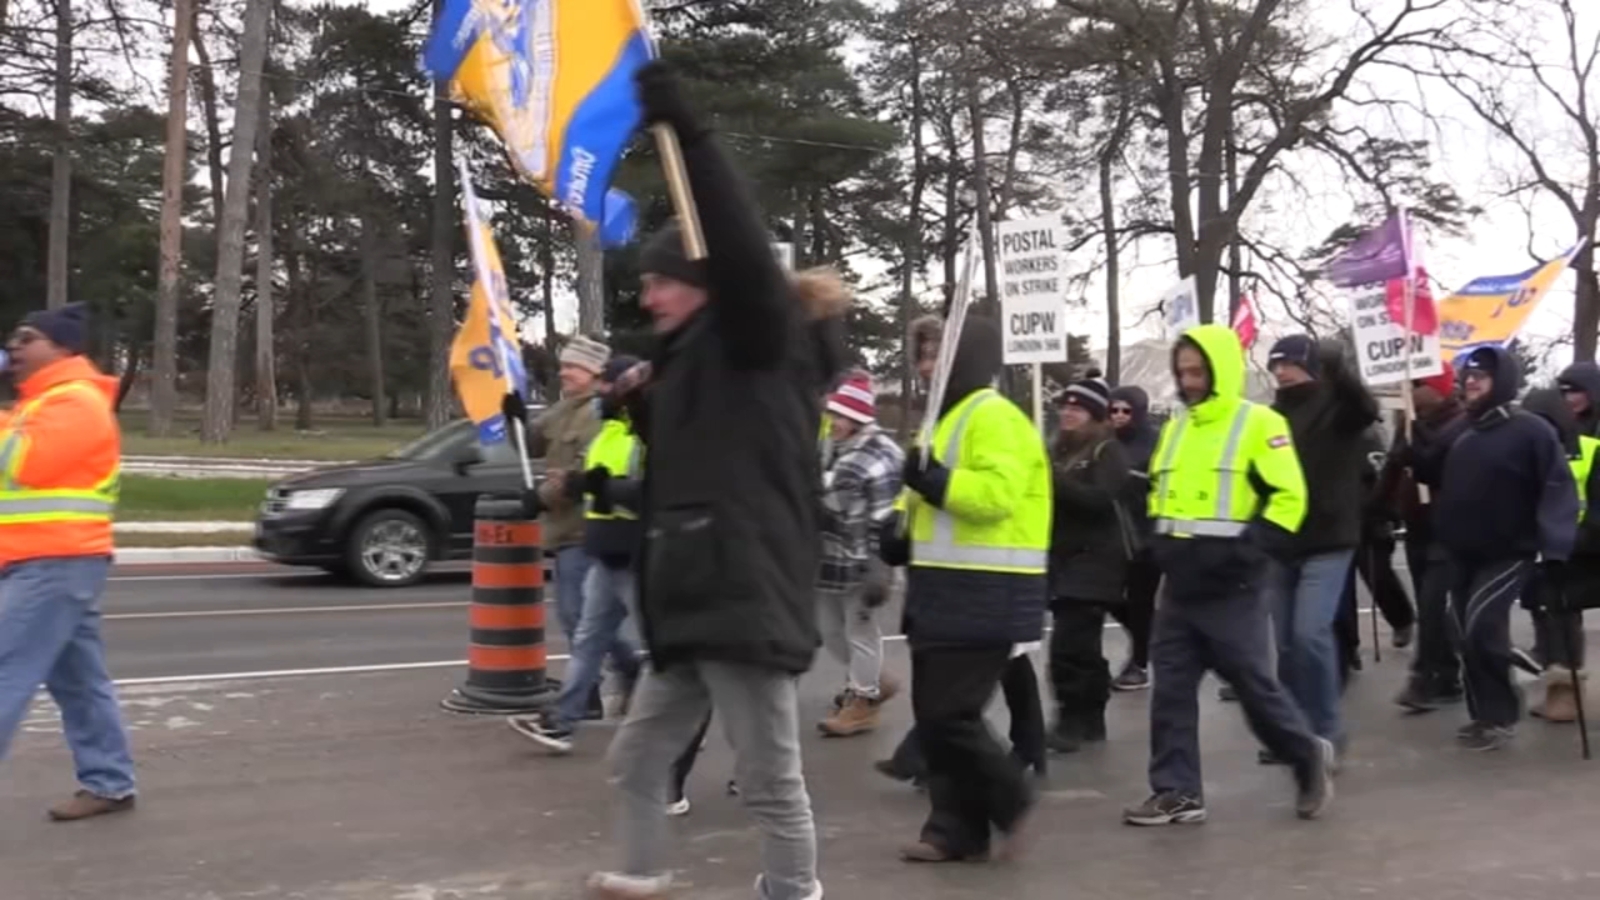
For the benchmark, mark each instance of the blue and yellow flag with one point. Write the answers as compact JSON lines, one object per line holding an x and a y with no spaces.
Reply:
{"x":554,"y":78}
{"x":485,"y":357}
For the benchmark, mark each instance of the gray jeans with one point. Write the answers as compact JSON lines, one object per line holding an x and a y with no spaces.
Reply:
{"x":851,"y":635}
{"x":759,"y":711}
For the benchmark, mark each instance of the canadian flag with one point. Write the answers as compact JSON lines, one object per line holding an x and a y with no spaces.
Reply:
{"x":1244,"y":321}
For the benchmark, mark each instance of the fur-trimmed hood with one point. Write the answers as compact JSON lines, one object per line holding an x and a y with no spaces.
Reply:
{"x":822,"y":293}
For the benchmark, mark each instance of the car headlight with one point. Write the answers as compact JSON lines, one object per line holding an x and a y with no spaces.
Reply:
{"x":312,"y":499}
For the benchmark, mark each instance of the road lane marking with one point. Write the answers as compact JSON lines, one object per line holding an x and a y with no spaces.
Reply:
{"x":374,"y":668}
{"x":288,"y":610}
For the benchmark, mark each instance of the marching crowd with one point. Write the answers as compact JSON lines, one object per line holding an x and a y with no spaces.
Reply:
{"x":1228,"y":540}
{"x":708,"y":539}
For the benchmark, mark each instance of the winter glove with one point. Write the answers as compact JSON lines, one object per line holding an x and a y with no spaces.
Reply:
{"x":894,"y":543}
{"x":927,"y":476}
{"x":595,"y":481}
{"x":514,"y":408}
{"x":875,"y":587}
{"x":532,"y":506}
{"x":661,"y":96}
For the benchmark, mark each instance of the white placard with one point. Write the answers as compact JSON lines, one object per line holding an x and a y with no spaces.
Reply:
{"x":1381,"y":342}
{"x":1033,"y":291}
{"x":1180,"y":307}
{"x":785,"y":253}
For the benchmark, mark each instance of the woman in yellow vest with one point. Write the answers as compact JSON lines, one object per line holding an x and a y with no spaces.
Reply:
{"x":979,"y":530}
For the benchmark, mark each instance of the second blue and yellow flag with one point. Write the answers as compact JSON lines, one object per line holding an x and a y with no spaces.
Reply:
{"x":554,"y":78}
{"x":486,"y":357}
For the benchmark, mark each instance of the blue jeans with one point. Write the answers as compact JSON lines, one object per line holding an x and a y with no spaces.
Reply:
{"x":50,"y":633}
{"x":609,"y":597}
{"x":1304,"y":599}
{"x":572,"y":568}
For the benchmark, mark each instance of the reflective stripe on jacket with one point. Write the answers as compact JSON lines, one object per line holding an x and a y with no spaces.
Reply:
{"x":60,"y":449}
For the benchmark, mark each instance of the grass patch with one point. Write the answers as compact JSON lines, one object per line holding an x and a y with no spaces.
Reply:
{"x":334,"y":438}
{"x":163,"y":541}
{"x":157,"y":498}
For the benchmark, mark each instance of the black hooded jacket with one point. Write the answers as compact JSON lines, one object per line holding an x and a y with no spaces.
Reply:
{"x":1423,"y":458}
{"x":1507,"y":488}
{"x":1552,"y":407}
{"x":1328,"y":419}
{"x":1585,"y":376}
{"x":732,"y":479}
{"x":1138,"y":439}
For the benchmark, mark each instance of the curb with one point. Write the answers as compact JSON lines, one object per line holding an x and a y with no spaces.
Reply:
{"x":156,"y":556}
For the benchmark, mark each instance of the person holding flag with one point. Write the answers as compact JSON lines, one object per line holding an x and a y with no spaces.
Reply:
{"x":731,"y":552}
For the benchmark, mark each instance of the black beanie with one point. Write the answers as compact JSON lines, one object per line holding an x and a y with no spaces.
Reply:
{"x":1298,"y":349}
{"x":663,"y":254}
{"x":1091,"y":393}
{"x":67,"y":326}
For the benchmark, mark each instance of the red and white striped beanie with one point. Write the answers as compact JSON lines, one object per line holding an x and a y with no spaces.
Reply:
{"x":854,"y":399}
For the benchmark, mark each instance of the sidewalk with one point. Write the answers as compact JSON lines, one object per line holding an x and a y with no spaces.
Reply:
{"x":359,"y":788}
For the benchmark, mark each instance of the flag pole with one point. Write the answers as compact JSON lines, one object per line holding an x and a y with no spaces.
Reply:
{"x":667,"y":144}
{"x":519,"y":430}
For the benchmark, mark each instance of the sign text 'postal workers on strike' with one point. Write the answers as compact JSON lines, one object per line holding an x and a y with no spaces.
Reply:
{"x":1033,"y":302}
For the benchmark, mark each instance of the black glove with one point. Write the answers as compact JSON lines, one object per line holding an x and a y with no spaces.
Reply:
{"x":595,"y":483}
{"x":573,"y":487}
{"x":532,"y":506}
{"x":1553,"y":591}
{"x":894,"y":543}
{"x":662,"y":100}
{"x":514,"y":408}
{"x":875,"y":584}
{"x":927,"y":476}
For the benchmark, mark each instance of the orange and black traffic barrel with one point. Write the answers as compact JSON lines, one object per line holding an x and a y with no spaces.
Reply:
{"x":506,"y":653}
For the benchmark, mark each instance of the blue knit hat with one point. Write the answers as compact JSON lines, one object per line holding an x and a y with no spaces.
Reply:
{"x":67,"y":326}
{"x":1299,"y":350}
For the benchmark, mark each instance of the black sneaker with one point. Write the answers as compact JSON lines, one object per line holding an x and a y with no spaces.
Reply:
{"x":1524,"y":660}
{"x":1316,"y":786}
{"x":1094,"y":728}
{"x":1227,"y":694}
{"x":544,"y":729}
{"x":1267,"y":758}
{"x":1484,"y":737}
{"x":1403,"y":636}
{"x":595,"y":711}
{"x":1166,"y":808}
{"x":1418,"y":696}
{"x":1132,"y":678}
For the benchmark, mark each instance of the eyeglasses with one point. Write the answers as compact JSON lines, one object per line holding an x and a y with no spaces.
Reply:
{"x":1121,"y":411}
{"x":1570,"y":389}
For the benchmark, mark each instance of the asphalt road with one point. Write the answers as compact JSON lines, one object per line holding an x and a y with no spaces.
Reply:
{"x":357,"y":787}
{"x":187,"y":625}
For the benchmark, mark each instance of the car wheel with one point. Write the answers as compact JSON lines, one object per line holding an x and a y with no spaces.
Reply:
{"x":389,"y":548}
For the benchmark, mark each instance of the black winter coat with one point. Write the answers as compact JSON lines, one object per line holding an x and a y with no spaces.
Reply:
{"x":732,"y":480}
{"x":1091,"y":542}
{"x":1328,"y":419}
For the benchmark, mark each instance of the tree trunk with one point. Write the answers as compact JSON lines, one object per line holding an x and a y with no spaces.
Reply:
{"x":591,"y":280}
{"x":912,"y":244}
{"x":980,"y":179}
{"x":164,"y":377}
{"x":1586,"y":303}
{"x":1235,"y":254}
{"x":208,"y":105}
{"x":130,"y":377}
{"x":266,"y":368}
{"x":1108,"y":224}
{"x":374,"y":317}
{"x":441,"y":311}
{"x":222,"y":367}
{"x":301,"y":324}
{"x":61,"y":163}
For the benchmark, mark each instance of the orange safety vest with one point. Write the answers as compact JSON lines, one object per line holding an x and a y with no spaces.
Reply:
{"x":60,"y":452}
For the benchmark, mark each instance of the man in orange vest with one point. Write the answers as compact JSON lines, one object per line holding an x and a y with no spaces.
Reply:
{"x":59,"y":453}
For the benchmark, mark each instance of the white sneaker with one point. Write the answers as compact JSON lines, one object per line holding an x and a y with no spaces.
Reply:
{"x":616,"y":886}
{"x":761,"y":889}
{"x":678,"y":808}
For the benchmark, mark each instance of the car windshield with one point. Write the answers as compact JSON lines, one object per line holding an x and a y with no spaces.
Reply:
{"x":435,"y":443}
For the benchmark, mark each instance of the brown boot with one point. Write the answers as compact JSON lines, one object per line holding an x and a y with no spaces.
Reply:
{"x":1560,"y":700}
{"x":85,"y":805}
{"x":858,"y":715}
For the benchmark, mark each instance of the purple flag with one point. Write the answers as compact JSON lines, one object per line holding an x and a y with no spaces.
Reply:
{"x":1382,"y":254}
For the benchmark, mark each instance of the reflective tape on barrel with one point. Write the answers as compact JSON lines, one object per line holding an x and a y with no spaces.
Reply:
{"x":506,"y":650}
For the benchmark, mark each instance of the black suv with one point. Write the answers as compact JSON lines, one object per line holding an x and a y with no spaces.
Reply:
{"x":382,"y":521}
